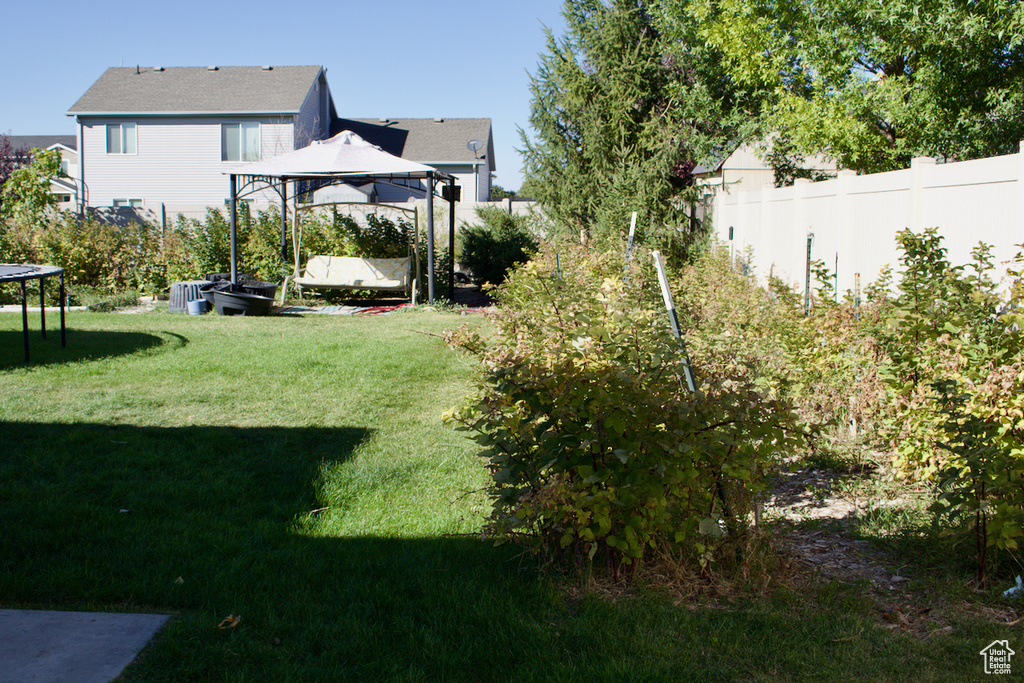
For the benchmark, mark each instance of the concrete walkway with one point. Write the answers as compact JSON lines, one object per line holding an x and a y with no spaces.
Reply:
{"x":77,"y":647}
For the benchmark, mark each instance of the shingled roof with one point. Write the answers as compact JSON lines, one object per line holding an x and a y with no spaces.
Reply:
{"x":42,"y":141}
{"x":198,"y":90}
{"x":428,"y":141}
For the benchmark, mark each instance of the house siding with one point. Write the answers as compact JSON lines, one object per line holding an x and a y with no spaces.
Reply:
{"x":313,"y":121}
{"x":177,"y":161}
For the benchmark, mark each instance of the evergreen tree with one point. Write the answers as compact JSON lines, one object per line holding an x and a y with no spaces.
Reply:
{"x":619,"y":120}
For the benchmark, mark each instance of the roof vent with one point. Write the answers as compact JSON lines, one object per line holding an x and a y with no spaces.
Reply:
{"x":438,"y":120}
{"x":211,"y":68}
{"x":267,"y":67}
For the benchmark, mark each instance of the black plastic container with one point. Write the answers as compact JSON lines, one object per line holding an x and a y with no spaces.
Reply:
{"x":226,"y":277}
{"x":207,"y":290}
{"x":260,"y":288}
{"x":229,"y":302}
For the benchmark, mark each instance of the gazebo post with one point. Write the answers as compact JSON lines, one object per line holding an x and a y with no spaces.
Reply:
{"x":451,"y":241}
{"x":233,"y":194}
{"x":430,"y":238}
{"x":284,"y":219}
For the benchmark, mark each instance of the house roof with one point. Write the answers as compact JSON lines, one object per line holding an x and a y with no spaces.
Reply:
{"x":428,"y":141}
{"x":198,"y":90}
{"x":42,"y":141}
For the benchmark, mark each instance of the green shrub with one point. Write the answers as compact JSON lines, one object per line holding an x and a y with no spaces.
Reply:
{"x":501,"y":241}
{"x":595,"y":446}
{"x":95,"y":255}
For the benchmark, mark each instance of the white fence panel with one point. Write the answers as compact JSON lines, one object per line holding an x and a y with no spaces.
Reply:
{"x":854,"y":219}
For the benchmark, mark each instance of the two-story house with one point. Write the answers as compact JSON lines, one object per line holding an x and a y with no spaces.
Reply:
{"x":154,"y":136}
{"x":165,"y":138}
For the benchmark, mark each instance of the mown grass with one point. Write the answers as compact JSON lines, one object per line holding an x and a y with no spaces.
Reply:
{"x":296,"y":472}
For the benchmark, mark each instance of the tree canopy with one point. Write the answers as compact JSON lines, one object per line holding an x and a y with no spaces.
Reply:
{"x":874,"y":84}
{"x":26,"y":195}
{"x":620,"y":117}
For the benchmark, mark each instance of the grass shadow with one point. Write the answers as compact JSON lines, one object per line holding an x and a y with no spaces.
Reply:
{"x":205,"y":522}
{"x":81,"y":345}
{"x":112,"y":514}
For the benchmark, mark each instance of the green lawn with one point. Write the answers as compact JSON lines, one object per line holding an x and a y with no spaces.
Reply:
{"x":296,"y":472}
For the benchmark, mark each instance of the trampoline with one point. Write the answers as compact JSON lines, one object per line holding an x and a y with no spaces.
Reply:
{"x":22,"y":273}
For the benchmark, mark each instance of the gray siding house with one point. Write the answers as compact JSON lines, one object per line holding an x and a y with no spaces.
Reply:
{"x":153,"y":136}
{"x":442,"y":143}
{"x":162,"y":138}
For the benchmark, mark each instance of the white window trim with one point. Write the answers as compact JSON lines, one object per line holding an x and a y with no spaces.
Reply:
{"x":240,"y":126}
{"x":122,"y":141}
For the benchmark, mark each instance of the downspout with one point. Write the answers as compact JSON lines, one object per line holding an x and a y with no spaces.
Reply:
{"x":81,"y":169}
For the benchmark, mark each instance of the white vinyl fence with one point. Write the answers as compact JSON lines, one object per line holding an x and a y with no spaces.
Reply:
{"x":852,"y":220}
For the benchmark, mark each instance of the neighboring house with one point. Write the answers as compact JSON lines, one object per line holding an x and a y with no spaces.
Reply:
{"x":742,"y":168}
{"x":161,"y":139}
{"x":442,"y":143}
{"x":154,"y":136}
{"x":64,"y":187}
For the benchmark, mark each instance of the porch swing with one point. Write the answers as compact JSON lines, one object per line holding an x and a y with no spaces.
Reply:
{"x":401,"y":274}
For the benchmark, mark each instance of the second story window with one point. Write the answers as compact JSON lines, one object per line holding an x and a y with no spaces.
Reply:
{"x":121,"y":138}
{"x":240,"y":141}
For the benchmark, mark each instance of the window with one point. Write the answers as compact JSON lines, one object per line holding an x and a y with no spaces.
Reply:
{"x":121,"y":138}
{"x":240,"y":141}
{"x":134,"y":203}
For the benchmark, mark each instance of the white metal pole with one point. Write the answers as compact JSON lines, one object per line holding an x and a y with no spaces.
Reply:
{"x":629,"y":245}
{"x":666,"y":294}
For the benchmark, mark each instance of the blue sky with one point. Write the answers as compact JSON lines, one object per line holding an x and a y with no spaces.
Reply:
{"x":385,"y":58}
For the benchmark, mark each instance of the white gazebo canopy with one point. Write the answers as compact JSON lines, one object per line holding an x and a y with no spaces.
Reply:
{"x":346,"y":154}
{"x":345,"y":158}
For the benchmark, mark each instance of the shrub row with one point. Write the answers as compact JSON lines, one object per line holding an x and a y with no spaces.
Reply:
{"x":141,"y":257}
{"x":597,"y":450}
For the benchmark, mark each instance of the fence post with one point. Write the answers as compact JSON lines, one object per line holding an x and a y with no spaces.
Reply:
{"x":1020,"y":192}
{"x":802,"y":228}
{"x":918,"y":168}
{"x":846,"y":238}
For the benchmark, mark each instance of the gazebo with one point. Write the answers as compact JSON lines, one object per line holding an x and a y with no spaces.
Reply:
{"x":343,"y":159}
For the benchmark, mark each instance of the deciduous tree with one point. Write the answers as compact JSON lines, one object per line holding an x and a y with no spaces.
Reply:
{"x":26,"y":196}
{"x":874,"y":84}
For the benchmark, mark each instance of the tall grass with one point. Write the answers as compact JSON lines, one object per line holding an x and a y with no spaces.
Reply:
{"x":295,"y":472}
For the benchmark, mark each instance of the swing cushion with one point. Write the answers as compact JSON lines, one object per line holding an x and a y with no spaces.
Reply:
{"x":352,"y":272}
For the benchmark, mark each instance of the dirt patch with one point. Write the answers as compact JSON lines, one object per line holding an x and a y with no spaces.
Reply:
{"x":814,"y":521}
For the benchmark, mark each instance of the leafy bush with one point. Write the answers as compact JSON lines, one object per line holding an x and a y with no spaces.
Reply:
{"x":343,"y":235}
{"x":937,"y":368}
{"x":94,"y":254}
{"x":501,"y":241}
{"x":595,"y":446}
